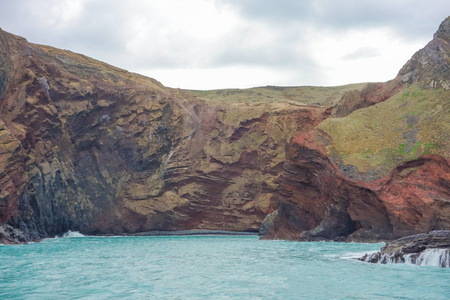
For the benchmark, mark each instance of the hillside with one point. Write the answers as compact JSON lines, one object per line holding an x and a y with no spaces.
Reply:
{"x":303,"y":95}
{"x":379,"y":168}
{"x":411,"y":123}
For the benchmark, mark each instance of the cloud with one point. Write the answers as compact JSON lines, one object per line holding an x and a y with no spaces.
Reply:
{"x":212,"y":44}
{"x":362,"y":53}
{"x":412,"y":18}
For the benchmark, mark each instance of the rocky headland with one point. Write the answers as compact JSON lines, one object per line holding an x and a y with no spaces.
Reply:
{"x":85,"y":146}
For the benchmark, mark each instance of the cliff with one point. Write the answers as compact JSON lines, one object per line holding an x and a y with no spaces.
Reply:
{"x":89,"y":147}
{"x":379,"y":168}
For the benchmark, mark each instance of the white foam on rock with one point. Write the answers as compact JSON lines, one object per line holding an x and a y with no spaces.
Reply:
{"x":433,"y":257}
{"x":429,"y":257}
{"x":355,"y":255}
{"x":73,"y":234}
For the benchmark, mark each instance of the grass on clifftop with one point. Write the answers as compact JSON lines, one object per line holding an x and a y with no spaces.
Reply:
{"x":406,"y":126}
{"x":306,"y":95}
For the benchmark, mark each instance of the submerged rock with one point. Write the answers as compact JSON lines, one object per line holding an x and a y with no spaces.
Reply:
{"x":432,"y":249}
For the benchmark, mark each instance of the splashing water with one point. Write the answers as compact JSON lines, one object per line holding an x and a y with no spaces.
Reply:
{"x":73,"y":234}
{"x":429,"y":257}
{"x":434,"y":257}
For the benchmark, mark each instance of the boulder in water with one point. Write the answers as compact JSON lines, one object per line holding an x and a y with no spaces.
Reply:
{"x":430,"y":249}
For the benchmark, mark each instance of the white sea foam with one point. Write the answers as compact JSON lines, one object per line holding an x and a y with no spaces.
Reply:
{"x":355,"y":255}
{"x":73,"y":234}
{"x":385,"y":258}
{"x":432,"y":257}
{"x":429,"y":257}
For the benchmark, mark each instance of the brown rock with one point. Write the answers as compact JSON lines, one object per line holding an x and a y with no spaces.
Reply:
{"x":429,"y":66}
{"x":86,"y":146}
{"x":371,"y":94}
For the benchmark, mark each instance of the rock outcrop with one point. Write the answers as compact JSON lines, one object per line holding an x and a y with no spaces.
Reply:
{"x":430,"y":67}
{"x":379,"y":172}
{"x":88,"y":147}
{"x":371,"y":94}
{"x":427,"y":249}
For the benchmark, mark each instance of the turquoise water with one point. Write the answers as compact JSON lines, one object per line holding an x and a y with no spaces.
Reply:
{"x":207,"y":267}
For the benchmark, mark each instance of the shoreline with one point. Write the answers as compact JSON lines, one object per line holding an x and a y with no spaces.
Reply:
{"x":191,"y":232}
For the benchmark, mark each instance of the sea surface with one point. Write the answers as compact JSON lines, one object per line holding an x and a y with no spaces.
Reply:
{"x":208,"y":267}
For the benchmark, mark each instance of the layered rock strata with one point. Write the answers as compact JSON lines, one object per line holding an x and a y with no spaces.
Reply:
{"x":88,"y":147}
{"x":317,"y":202}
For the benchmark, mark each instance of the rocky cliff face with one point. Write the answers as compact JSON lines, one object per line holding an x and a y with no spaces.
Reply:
{"x":90,"y":147}
{"x":318,"y":202}
{"x":431,"y":65}
{"x":86,"y":146}
{"x":380,"y":168}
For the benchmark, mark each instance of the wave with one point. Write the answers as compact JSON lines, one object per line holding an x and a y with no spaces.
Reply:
{"x":356,"y":255}
{"x":73,"y":234}
{"x":428,"y":257}
{"x":431,"y":257}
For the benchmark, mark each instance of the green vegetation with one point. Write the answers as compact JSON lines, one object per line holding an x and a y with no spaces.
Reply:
{"x":410,"y":124}
{"x":307,"y":95}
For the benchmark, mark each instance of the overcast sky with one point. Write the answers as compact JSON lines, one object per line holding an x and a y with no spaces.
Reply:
{"x":210,"y":44}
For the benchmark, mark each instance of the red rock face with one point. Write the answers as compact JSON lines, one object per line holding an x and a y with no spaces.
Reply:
{"x":371,"y":94}
{"x":317,"y":202}
{"x":417,"y":195}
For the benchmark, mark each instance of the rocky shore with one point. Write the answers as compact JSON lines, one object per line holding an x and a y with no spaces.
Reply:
{"x":428,"y":249}
{"x":192,"y":232}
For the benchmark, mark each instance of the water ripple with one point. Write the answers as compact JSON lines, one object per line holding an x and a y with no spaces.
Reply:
{"x":211,"y":267}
